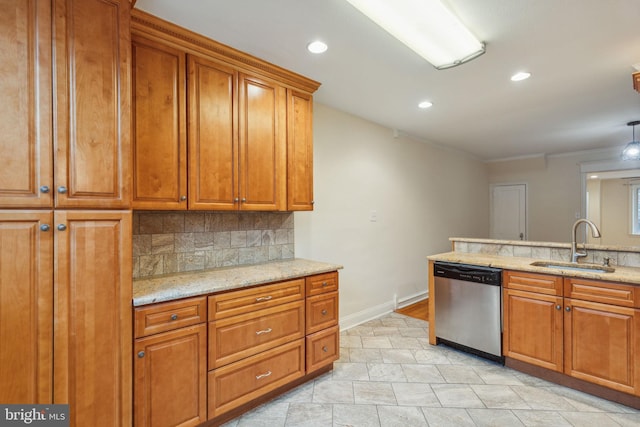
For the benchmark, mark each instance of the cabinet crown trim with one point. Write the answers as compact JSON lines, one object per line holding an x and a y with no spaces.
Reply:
{"x":148,"y":24}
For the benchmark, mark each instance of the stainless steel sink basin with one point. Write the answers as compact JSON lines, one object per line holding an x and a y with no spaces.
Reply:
{"x":587,"y":268}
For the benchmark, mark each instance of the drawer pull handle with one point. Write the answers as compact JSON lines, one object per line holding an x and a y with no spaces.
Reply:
{"x":325,"y":349}
{"x":324,"y":312}
{"x":266,"y":374}
{"x":264,"y":331}
{"x":325,"y":284}
{"x":267,"y":298}
{"x":174,"y":317}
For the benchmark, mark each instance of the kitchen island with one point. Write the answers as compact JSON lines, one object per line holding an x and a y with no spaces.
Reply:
{"x":579,"y":327}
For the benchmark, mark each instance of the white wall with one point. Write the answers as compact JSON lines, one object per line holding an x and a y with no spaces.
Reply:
{"x":422,"y":194}
{"x":554,"y":187}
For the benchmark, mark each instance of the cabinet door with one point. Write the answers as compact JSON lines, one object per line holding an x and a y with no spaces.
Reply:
{"x":159,"y":126}
{"x":602,"y":344}
{"x":92,"y":103}
{"x":25,"y":111}
{"x":299,"y":151}
{"x":532,"y":328}
{"x":213,"y":140}
{"x":93,"y":319}
{"x":262,"y":145}
{"x":26,"y":307}
{"x":171,"y":378}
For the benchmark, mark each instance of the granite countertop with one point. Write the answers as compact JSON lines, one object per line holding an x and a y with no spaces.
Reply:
{"x":621,"y":274}
{"x":182,"y":285}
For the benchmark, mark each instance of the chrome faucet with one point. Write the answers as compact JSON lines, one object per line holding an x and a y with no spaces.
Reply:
{"x":574,"y":250}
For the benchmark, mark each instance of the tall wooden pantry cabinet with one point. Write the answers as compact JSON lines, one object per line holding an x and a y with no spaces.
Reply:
{"x":65,"y":218}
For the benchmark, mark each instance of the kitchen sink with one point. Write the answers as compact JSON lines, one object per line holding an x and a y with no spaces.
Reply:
{"x":588,"y":268}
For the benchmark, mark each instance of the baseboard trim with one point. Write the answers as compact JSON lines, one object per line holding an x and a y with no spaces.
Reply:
{"x":370,"y":313}
{"x":412,"y":299}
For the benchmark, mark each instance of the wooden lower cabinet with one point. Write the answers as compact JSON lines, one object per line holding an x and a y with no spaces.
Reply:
{"x":587,"y":329}
{"x":602,"y":344}
{"x":250,"y":378}
{"x":26,"y":307}
{"x":532,"y":329}
{"x":170,"y":378}
{"x":322,"y":348}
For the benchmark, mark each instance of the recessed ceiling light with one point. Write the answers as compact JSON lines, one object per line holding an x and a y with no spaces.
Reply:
{"x":425,"y":104}
{"x":523,"y":75}
{"x":593,"y":176}
{"x":317,"y":47}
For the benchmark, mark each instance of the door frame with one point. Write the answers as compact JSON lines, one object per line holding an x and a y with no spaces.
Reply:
{"x":526,"y":204}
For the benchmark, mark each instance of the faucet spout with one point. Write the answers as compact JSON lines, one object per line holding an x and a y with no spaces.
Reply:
{"x":574,"y":249}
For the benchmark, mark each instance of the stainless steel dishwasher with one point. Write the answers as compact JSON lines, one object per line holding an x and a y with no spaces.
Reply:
{"x":468,"y":305}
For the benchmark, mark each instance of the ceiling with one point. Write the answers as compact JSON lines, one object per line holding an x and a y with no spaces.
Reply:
{"x":580,"y":53}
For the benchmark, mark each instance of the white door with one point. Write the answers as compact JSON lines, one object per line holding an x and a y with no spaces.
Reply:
{"x":508,"y":214}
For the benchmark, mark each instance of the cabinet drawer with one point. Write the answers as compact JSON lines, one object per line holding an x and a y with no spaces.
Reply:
{"x":167,"y":316}
{"x":250,"y":378}
{"x":323,"y":348}
{"x":322,"y":312}
{"x":532,"y":282}
{"x":237,"y":337}
{"x":246,"y":300}
{"x":322,"y":283}
{"x":605,"y":292}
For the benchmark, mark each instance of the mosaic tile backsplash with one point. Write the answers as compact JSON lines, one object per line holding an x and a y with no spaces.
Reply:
{"x":173,"y":242}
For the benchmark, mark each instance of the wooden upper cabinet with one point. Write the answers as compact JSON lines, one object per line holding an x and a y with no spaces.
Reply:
{"x":213,"y":140}
{"x":25,"y":111}
{"x":299,"y":151}
{"x":636,"y":81}
{"x":26,"y":307}
{"x":92,"y":104}
{"x":93,"y":317}
{"x":159,"y":126}
{"x":262,"y":145}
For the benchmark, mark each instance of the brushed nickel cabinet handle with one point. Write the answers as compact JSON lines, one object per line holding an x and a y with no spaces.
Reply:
{"x":264,"y":331}
{"x":243,"y":200}
{"x":140,"y":354}
{"x":61,"y":227}
{"x":45,"y":227}
{"x":324,"y":312}
{"x":62,"y":189}
{"x":266,"y":374}
{"x":568,"y":308}
{"x":44,"y":189}
{"x":260,"y":299}
{"x":325,"y":284}
{"x":174,"y":317}
{"x":325,"y":349}
{"x":236,"y":200}
{"x":183,"y":198}
{"x":558,"y":307}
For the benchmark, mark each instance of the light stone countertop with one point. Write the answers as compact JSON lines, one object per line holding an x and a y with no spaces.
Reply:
{"x":621,"y":274}
{"x":567,"y":245}
{"x":189,"y":284}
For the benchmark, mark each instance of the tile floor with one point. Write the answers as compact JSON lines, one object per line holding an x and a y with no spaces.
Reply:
{"x":389,"y":375}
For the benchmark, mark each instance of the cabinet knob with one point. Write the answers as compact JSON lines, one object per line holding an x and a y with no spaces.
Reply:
{"x":558,"y":307}
{"x":567,"y":308}
{"x":324,"y":312}
{"x":174,"y":317}
{"x":325,"y":284}
{"x":236,"y":200}
{"x":62,"y":189}
{"x":243,"y":200}
{"x":140,"y":354}
{"x":325,"y":349}
{"x":183,"y":198}
{"x":45,"y":227}
{"x":61,"y":227}
{"x":44,"y":189}
{"x":313,"y":202}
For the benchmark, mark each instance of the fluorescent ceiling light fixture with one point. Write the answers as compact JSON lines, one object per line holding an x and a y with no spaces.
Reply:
{"x":593,"y":176}
{"x":523,"y":75}
{"x":317,"y":47}
{"x":425,"y":26}
{"x":425,"y":104}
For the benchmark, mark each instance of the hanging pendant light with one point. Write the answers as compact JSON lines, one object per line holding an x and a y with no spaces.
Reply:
{"x":632,"y":150}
